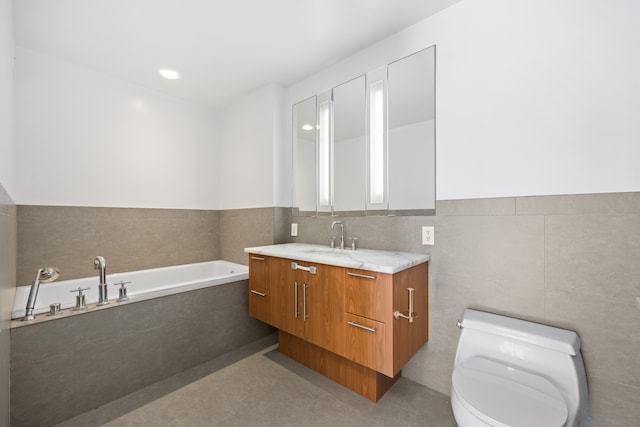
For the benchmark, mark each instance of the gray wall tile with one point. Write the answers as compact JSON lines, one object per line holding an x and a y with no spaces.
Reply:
{"x":577,"y":204}
{"x":129,"y":239}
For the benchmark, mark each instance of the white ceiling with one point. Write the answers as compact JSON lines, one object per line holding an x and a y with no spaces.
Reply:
{"x":222,"y":48}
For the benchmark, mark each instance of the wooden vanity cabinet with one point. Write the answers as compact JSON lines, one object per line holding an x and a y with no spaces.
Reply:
{"x":340,"y":321}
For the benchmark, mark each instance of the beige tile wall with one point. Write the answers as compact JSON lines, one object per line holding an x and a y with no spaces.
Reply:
{"x":569,"y":261}
{"x":243,"y":228}
{"x":7,"y":292}
{"x":70,"y":237}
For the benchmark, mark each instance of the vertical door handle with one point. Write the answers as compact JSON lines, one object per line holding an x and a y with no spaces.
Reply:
{"x":295,"y":300}
{"x":305,"y":316}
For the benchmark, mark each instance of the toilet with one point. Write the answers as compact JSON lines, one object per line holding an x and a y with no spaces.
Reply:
{"x":514,"y":373}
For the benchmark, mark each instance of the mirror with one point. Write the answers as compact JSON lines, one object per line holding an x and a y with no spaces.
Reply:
{"x":367,"y":147}
{"x":304,"y":147}
{"x":349,"y":155}
{"x":411,"y":133}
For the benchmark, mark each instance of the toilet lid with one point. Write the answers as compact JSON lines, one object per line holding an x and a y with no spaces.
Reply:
{"x":503,"y":396}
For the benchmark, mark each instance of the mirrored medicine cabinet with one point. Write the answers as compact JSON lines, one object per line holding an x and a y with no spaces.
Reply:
{"x":367,"y":146}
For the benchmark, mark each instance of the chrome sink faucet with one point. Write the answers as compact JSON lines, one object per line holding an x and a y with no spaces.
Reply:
{"x":333,"y":224}
{"x":100,"y":264}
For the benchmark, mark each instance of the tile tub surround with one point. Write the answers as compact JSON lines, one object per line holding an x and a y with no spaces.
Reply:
{"x":569,"y":261}
{"x":130,"y":239}
{"x":69,"y":237}
{"x":7,"y":292}
{"x":65,"y":367}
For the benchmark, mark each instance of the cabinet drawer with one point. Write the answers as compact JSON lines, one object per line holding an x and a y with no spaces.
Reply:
{"x":259,"y":271}
{"x":366,"y":293}
{"x":260,"y":304}
{"x":365,"y":342}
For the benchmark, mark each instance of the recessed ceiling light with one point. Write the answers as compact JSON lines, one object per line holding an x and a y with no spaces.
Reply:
{"x":307,"y":127}
{"x":169,"y":74}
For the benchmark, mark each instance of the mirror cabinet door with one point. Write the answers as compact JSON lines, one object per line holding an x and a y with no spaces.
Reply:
{"x":349,"y":157}
{"x":304,"y":145}
{"x":411,"y":132}
{"x":367,"y":147}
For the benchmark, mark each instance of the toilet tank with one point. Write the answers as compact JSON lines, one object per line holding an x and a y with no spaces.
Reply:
{"x":549,"y":352}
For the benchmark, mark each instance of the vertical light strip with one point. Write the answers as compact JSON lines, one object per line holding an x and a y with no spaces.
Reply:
{"x":376,"y":142}
{"x":324,"y":166}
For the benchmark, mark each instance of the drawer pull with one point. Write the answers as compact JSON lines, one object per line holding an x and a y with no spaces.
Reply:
{"x":296,"y":266}
{"x":363,"y":276}
{"x":257,"y":258}
{"x":366,"y":328}
{"x":253,"y":291}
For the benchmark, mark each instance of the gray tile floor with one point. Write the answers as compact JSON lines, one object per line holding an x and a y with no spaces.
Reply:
{"x":258,"y":386}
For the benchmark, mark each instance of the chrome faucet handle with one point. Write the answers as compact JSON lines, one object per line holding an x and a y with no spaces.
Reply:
{"x":122,"y":292}
{"x":333,"y":242}
{"x":80,"y":299}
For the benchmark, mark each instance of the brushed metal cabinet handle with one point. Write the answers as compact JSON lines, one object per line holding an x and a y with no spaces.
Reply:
{"x":253,"y":291}
{"x":366,"y":328}
{"x":362,"y":276}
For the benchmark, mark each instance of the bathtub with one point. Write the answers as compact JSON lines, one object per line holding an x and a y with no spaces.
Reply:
{"x":145,"y":284}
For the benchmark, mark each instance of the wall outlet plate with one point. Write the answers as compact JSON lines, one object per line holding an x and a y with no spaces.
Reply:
{"x":428,"y":235}
{"x":294,"y":229}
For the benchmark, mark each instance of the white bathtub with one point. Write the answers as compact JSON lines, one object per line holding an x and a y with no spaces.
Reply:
{"x":145,"y":284}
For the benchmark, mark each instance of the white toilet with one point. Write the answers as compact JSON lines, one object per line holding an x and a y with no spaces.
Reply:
{"x":513,"y":373}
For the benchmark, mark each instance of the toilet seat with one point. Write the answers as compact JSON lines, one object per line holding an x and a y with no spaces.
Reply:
{"x":503,"y":396}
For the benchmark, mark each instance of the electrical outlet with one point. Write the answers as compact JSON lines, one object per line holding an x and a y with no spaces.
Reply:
{"x":294,"y":229}
{"x":428,"y":235}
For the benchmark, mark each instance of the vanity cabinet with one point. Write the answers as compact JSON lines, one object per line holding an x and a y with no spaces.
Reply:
{"x":340,"y":321}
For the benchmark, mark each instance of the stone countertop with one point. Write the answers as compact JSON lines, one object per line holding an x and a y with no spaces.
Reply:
{"x":364,"y":259}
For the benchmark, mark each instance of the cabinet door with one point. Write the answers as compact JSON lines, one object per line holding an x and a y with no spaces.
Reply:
{"x":365,"y":343}
{"x":259,"y":298}
{"x":287,"y":294}
{"x":325,"y":326}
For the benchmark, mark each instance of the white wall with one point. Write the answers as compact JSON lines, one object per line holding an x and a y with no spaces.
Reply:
{"x":6,"y":95}
{"x":532,"y":97}
{"x":250,"y":166}
{"x":86,"y":139}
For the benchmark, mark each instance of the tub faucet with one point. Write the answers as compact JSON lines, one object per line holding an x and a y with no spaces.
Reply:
{"x":333,"y":224}
{"x":100,"y":264}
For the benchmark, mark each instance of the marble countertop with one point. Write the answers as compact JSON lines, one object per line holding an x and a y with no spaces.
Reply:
{"x":365,"y":259}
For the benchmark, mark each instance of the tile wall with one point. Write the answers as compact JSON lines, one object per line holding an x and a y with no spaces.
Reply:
{"x":569,"y":261}
{"x":7,"y":292}
{"x":130,"y":239}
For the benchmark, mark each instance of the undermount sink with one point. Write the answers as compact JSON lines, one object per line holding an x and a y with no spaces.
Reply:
{"x":327,"y":251}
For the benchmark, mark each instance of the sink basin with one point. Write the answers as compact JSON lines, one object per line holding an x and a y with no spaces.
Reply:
{"x":326,"y":251}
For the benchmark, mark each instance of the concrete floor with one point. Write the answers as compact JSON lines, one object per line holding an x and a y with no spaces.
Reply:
{"x":258,"y":386}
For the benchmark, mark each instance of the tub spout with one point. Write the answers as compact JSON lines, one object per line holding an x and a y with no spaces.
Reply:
{"x":100,"y":264}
